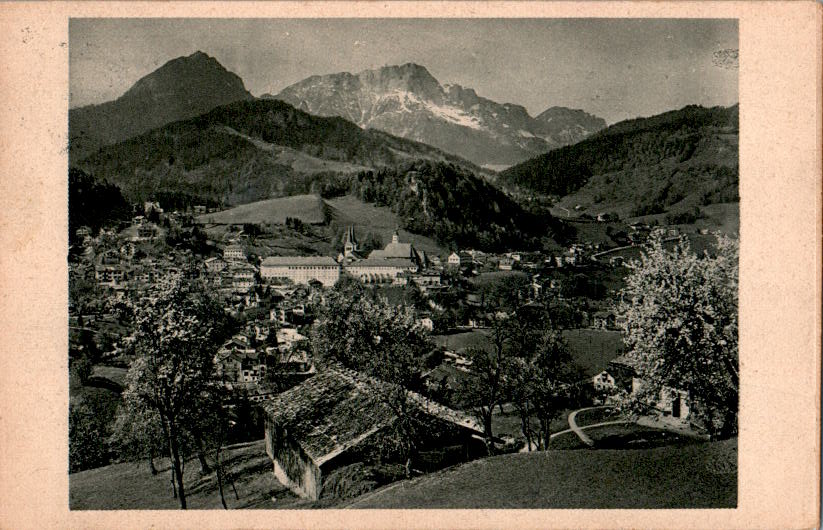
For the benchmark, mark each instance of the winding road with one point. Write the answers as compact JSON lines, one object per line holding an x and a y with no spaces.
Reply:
{"x":576,"y":429}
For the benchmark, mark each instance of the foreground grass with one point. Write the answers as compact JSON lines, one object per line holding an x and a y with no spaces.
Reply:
{"x":131,"y":486}
{"x":698,"y":475}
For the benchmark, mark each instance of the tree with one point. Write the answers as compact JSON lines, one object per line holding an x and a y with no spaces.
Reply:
{"x":88,"y":429}
{"x":680,"y":313}
{"x":539,"y":381}
{"x":137,"y":433}
{"x":487,"y":385}
{"x":175,"y":336}
{"x":365,"y":333}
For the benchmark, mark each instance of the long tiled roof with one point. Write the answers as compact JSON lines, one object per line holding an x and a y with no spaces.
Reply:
{"x":338,"y":408}
{"x":383,"y":262}
{"x":284,"y":261}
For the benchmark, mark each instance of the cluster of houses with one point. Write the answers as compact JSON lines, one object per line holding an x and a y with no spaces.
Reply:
{"x":232,"y":274}
{"x":119,"y":270}
{"x":261,"y":349}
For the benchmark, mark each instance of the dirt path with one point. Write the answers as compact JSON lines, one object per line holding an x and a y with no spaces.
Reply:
{"x":580,"y":432}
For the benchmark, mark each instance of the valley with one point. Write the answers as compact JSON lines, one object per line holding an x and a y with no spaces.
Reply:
{"x":407,"y":289}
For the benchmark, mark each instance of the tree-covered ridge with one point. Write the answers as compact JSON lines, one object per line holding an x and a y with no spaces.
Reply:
{"x":453,"y":205}
{"x":234,"y":154}
{"x":692,"y":139}
{"x":93,"y":204}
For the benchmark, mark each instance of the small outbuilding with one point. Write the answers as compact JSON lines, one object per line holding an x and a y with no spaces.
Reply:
{"x":333,"y":419}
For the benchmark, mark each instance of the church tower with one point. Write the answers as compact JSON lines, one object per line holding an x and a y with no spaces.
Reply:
{"x":350,"y":244}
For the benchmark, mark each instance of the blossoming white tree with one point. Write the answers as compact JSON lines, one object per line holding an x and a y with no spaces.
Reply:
{"x":680,"y":328}
{"x":176,"y":334}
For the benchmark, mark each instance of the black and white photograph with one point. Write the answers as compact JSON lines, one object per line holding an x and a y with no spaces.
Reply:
{"x":403,"y":263}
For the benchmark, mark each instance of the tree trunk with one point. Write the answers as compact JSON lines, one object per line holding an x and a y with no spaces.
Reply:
{"x":487,"y":427}
{"x":219,"y":470}
{"x":151,"y":465}
{"x":177,"y":465}
{"x":205,"y":469}
{"x":167,"y":434}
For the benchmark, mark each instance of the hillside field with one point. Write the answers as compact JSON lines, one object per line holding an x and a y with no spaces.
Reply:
{"x":308,"y":208}
{"x":698,"y":475}
{"x":130,"y":485}
{"x":591,"y":349}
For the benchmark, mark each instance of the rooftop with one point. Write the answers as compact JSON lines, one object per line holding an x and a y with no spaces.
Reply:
{"x":283,"y":261}
{"x":338,"y":408}
{"x":383,"y":262}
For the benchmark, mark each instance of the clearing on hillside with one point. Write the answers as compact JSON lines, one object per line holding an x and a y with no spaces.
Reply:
{"x":308,"y":208}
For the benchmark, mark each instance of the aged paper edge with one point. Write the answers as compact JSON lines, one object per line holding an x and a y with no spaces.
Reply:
{"x":780,"y":296}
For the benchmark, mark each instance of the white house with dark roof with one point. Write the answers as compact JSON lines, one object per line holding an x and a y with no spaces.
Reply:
{"x":234,"y":252}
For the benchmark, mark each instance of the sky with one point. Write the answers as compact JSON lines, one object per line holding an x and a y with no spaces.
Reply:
{"x":613,"y":68}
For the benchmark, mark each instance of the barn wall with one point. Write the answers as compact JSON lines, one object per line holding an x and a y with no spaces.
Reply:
{"x":292,"y":466}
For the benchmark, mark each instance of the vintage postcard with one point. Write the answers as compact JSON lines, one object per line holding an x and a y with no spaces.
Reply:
{"x":412,"y":265}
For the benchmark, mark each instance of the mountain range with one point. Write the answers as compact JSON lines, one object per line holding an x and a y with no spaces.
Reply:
{"x":408,"y":101}
{"x":191,"y":132}
{"x":251,"y":150}
{"x":182,"y":88}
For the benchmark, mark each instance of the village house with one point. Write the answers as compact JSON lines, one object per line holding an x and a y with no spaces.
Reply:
{"x":149,"y":206}
{"x":234,"y":252}
{"x":671,"y":406}
{"x":215,"y":265}
{"x":334,"y":419}
{"x":427,"y":280}
{"x":145,"y":232}
{"x":110,"y":270}
{"x":454,"y":260}
{"x":243,"y":278}
{"x":603,"y":320}
{"x":301,"y":269}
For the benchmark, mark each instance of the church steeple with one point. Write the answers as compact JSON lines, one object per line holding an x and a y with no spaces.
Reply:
{"x":350,"y":244}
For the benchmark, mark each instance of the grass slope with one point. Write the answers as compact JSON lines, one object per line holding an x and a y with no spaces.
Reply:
{"x":130,"y":485}
{"x":308,"y":208}
{"x":699,"y":475}
{"x":592,"y":349}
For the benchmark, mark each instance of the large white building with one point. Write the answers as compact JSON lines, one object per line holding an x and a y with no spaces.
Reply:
{"x":301,"y":269}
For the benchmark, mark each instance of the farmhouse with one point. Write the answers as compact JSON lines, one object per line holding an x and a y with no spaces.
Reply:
{"x":215,"y":264}
{"x":672,"y":405}
{"x":301,"y":269}
{"x":332,"y":419}
{"x":604,"y":320}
